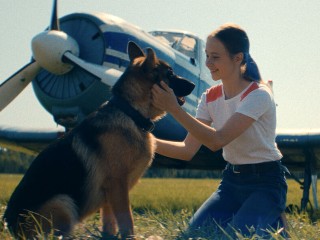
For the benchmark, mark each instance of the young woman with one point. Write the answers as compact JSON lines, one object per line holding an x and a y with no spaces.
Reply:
{"x":239,"y":116}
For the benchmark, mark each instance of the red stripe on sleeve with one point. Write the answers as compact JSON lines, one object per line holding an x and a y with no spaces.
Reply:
{"x":254,"y":86}
{"x":213,"y":93}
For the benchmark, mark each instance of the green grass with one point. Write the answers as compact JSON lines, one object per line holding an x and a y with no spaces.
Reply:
{"x":7,"y":184}
{"x":163,"y":207}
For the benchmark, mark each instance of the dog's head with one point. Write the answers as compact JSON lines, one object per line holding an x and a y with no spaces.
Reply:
{"x":143,"y":72}
{"x":160,"y":70}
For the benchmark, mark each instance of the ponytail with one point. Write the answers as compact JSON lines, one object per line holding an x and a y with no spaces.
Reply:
{"x":250,"y":69}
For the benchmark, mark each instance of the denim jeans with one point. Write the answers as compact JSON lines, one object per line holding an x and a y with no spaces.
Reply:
{"x":244,"y":200}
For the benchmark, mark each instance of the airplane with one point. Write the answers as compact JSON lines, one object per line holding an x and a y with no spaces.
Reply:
{"x":79,"y":57}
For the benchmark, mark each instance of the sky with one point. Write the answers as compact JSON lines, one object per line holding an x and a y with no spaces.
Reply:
{"x":284,"y":37}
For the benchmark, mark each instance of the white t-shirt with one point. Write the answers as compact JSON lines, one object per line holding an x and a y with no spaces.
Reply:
{"x":257,"y":144}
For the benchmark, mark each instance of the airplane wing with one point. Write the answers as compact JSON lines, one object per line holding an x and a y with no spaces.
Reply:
{"x":297,"y":146}
{"x":27,"y":140}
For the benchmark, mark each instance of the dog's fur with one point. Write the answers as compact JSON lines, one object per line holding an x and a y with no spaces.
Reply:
{"x":97,"y":163}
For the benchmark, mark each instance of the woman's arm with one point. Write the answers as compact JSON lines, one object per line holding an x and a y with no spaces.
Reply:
{"x":180,"y":150}
{"x":164,"y":99}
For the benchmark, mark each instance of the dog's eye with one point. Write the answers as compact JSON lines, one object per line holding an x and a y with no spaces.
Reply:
{"x":170,"y":73}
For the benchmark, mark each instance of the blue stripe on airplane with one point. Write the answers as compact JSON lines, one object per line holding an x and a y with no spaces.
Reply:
{"x":120,"y":62}
{"x":118,"y":41}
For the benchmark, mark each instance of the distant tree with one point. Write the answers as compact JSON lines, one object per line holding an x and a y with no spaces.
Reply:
{"x":14,"y":162}
{"x":180,"y":173}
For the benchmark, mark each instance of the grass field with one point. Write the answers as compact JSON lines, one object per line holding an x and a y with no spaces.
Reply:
{"x":163,"y":207}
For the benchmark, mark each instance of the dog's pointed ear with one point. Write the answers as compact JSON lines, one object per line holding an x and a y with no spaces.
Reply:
{"x":134,"y":51}
{"x":151,"y":60}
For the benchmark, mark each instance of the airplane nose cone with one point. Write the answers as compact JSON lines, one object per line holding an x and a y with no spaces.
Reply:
{"x":48,"y":48}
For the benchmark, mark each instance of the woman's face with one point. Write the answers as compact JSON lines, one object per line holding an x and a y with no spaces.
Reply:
{"x":219,"y":61}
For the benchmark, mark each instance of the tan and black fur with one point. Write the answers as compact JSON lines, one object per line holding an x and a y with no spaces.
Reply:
{"x":96,"y":164}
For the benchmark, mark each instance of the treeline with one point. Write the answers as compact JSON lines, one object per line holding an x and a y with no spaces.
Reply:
{"x":181,"y":173}
{"x":16,"y":162}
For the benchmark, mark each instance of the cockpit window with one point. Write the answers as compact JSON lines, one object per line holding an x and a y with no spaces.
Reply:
{"x":179,"y":41}
{"x":168,"y":37}
{"x":187,"y":46}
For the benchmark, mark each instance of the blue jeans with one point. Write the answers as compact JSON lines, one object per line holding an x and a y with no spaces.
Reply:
{"x":244,"y":200}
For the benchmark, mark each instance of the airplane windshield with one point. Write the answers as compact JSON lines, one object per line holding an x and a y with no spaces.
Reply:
{"x":179,"y":41}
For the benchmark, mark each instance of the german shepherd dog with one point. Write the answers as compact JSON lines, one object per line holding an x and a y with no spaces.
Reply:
{"x":96,"y":164}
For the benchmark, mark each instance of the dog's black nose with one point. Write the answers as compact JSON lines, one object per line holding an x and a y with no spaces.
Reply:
{"x":180,"y":86}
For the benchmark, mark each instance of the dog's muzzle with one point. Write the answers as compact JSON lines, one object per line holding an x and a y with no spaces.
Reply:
{"x":180,"y":86}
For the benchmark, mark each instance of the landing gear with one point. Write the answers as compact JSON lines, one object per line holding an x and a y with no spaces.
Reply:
{"x":310,"y":179}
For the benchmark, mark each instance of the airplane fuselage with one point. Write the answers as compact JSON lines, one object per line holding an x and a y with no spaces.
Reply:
{"x":103,"y":40}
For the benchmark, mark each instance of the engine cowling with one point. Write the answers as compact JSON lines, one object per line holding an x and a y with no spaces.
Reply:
{"x":71,"y":96}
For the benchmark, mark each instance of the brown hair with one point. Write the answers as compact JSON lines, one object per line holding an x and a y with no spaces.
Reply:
{"x":236,"y":40}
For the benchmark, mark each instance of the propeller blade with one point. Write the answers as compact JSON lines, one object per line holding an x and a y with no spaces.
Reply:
{"x":54,"y":25}
{"x":11,"y":88}
{"x":108,"y":76}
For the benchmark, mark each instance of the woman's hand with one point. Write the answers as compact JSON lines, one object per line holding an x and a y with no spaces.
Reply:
{"x":163,"y":97}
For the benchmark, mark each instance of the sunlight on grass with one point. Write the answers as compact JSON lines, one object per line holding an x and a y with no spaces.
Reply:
{"x":163,"y":207}
{"x":8,"y":182}
{"x":158,"y":194}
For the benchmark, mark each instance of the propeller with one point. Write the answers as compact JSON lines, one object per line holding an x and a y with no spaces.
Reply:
{"x":108,"y":76}
{"x":56,"y":52}
{"x":11,"y":88}
{"x":15,"y":84}
{"x":54,"y":25}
